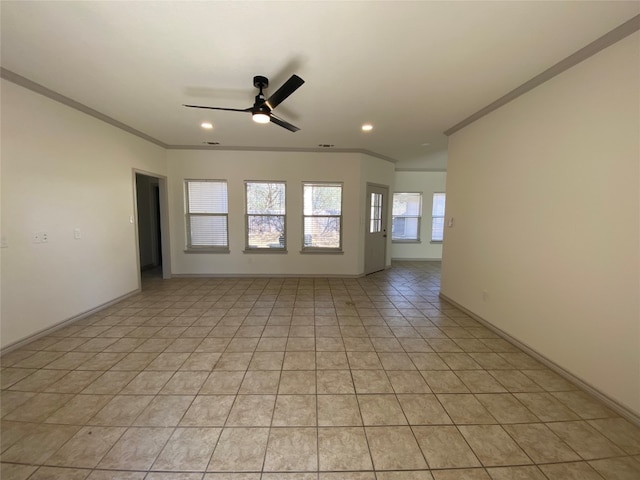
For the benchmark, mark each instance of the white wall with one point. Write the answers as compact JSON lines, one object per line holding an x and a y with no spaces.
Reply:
{"x":426,"y":183}
{"x":62,"y":170}
{"x":545,"y":197}
{"x":354,"y":170}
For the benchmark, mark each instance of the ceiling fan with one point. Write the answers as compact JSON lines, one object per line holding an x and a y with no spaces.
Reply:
{"x":262,"y":108}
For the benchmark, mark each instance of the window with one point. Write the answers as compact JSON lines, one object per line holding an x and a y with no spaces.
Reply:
{"x":322,"y":216}
{"x":406,"y":214}
{"x":437,"y":223}
{"x":266,"y":215}
{"x":207,"y":215}
{"x":375,"y":225}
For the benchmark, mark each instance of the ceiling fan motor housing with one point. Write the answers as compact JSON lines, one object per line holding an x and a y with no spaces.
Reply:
{"x":260,"y":82}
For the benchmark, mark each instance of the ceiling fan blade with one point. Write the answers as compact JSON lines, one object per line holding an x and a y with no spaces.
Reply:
{"x":284,"y":91}
{"x":219,"y":108}
{"x":284,"y":124}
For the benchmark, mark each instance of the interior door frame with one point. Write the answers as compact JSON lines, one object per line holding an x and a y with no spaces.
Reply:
{"x":165,"y":253}
{"x":384,"y":225}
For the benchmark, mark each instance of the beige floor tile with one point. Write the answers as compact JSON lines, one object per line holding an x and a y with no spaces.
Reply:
{"x":121,"y":475}
{"x":493,"y":446}
{"x":331,"y":361}
{"x":208,"y":411}
{"x":136,"y":449}
{"x":59,"y":473}
{"x":516,"y":473}
{"x":394,"y":448}
{"x":585,"y":406}
{"x":240,"y":450}
{"x":621,"y":432}
{"x":147,"y":383}
{"x":444,"y":447}
{"x":70,"y":360}
{"x":188,"y":449}
{"x":460,"y":361}
{"x":479,"y":381}
{"x":87,"y":447}
{"x":298,"y":382}
{"x":295,"y":411}
{"x":267,"y":361}
{"x":135,"y":361}
{"x":73,"y":382}
{"x":79,"y":410}
{"x":121,"y":410}
{"x":489,"y":361}
{"x":39,"y":407}
{"x":371,"y":381}
{"x":260,"y":381}
{"x":546,"y":407}
{"x":252,"y":411}
{"x":186,"y":383}
{"x":412,"y":475}
{"x":505,"y":408}
{"x":36,"y":444}
{"x":570,"y":471}
{"x":338,"y":410}
{"x":624,"y":468}
{"x":292,"y":449}
{"x":9,"y":400}
{"x":14,"y":471}
{"x":299,"y":361}
{"x":10,"y":376}
{"x":444,"y":381}
{"x":364,"y":361}
{"x":407,"y":381}
{"x":343,"y":448}
{"x":541,"y":444}
{"x":550,"y":381}
{"x":335,"y":381}
{"x":461,"y":474}
{"x":423,"y":409}
{"x":38,"y":380}
{"x":585,"y":440}
{"x":515,"y":381}
{"x":328,"y":344}
{"x":350,"y":476}
{"x":164,"y":411}
{"x":206,"y":361}
{"x":102,"y":361}
{"x":380,"y":409}
{"x":168,"y":361}
{"x":465,"y":409}
{"x":223,"y":382}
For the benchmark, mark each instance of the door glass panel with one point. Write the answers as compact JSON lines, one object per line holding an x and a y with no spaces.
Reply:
{"x":375,"y":224}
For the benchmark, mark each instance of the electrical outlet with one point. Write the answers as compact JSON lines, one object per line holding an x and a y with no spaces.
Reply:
{"x":76,"y":234}
{"x":3,"y":242}
{"x":44,"y":237}
{"x":35,"y":238}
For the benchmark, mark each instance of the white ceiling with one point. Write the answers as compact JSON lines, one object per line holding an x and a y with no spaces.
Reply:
{"x":412,"y":69}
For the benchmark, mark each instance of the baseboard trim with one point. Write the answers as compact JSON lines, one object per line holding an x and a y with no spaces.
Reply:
{"x":421,"y":259}
{"x":613,"y":404}
{"x":64,"y":323}
{"x":262,"y":275}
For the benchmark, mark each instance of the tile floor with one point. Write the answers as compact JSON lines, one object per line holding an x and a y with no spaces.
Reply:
{"x":298,"y":379}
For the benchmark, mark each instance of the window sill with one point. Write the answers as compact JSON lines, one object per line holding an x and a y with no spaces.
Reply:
{"x":207,"y":250}
{"x":265,"y":250}
{"x":324,"y":251}
{"x":406,"y":241}
{"x":436,"y":242}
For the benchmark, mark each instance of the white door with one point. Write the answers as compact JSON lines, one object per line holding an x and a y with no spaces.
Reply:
{"x":375,"y":242}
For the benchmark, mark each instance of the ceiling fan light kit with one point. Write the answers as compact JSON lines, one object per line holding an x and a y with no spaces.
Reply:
{"x":261,"y":111}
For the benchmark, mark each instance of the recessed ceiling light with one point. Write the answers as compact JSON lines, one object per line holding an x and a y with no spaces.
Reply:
{"x":367,"y":127}
{"x":206,"y":125}
{"x":326,"y":145}
{"x":211,"y":143}
{"x":426,"y":144}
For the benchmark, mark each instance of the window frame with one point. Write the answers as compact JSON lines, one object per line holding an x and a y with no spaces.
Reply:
{"x":190,"y":248}
{"x":434,"y":217}
{"x":328,"y":250}
{"x":419,"y":217}
{"x":247,"y":216}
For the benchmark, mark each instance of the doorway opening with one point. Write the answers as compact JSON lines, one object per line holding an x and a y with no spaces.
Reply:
{"x":375,"y":241}
{"x":152,"y":242}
